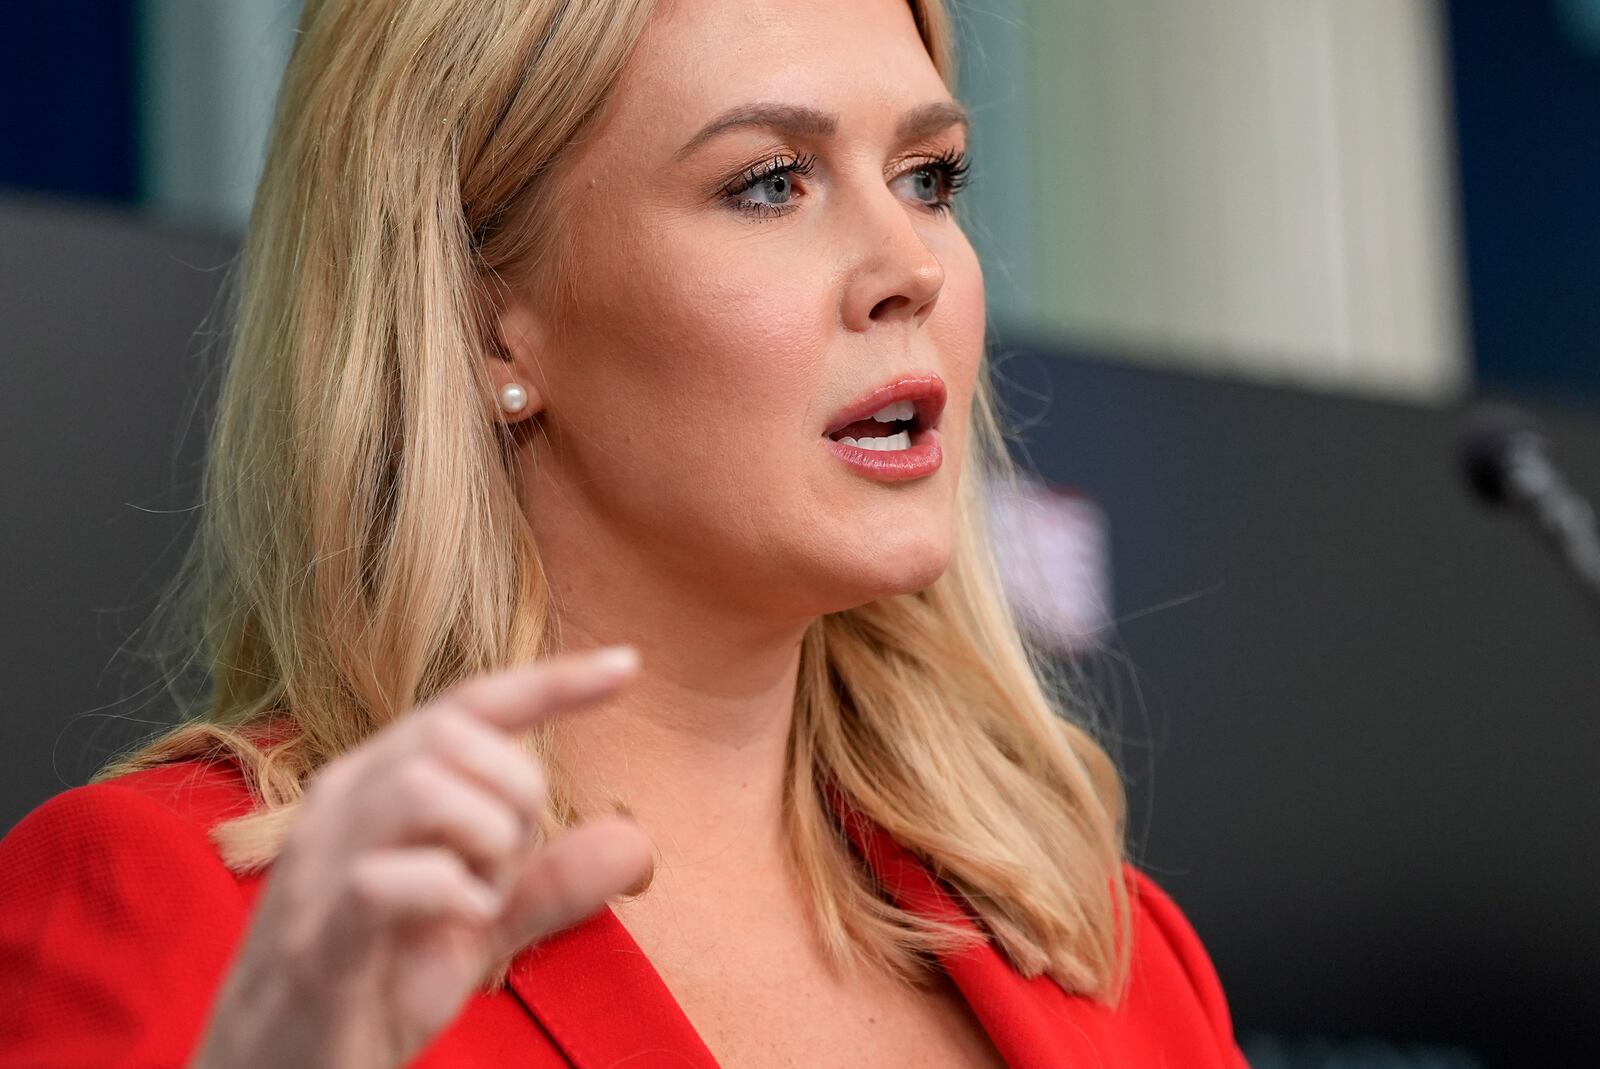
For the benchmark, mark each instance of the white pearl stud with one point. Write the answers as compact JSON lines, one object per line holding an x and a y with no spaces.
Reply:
{"x":513,"y":398}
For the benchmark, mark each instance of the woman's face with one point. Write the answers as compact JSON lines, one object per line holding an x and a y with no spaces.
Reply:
{"x":687,"y":376}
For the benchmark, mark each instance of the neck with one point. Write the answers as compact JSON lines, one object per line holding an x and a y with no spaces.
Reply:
{"x":695,"y":746}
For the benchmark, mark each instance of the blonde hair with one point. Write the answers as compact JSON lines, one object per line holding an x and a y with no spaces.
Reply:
{"x":361,"y":546}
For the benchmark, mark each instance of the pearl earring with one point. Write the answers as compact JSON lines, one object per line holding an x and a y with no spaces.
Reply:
{"x":513,"y":398}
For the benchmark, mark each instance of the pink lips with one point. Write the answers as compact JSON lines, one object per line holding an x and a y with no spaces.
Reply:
{"x":923,"y":457}
{"x":926,"y":392}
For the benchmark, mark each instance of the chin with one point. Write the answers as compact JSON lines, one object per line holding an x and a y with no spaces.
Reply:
{"x":887,"y":571}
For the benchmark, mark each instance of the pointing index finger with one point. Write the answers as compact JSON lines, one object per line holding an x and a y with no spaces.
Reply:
{"x":519,"y":698}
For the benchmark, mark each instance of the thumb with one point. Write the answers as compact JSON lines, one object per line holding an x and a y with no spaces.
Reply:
{"x":571,"y":877}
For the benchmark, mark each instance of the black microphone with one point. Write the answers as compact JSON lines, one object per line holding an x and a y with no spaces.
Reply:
{"x":1506,"y":455}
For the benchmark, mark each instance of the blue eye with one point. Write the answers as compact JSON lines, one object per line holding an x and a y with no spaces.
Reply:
{"x":771,"y":177}
{"x":948,"y":172}
{"x":949,"y":169}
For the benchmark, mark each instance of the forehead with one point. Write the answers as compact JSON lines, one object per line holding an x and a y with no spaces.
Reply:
{"x":862,"y":59}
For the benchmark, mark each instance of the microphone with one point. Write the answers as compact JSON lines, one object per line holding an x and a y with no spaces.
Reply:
{"x":1506,"y":456}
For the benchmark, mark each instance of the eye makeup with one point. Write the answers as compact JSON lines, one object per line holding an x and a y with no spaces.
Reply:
{"x":949,"y":168}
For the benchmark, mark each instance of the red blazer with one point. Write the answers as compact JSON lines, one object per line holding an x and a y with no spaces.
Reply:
{"x":118,"y":921}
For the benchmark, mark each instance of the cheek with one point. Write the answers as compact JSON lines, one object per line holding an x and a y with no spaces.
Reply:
{"x":957,"y":333}
{"x":710,"y":368}
{"x":966,"y":291}
{"x":732,"y":358}
{"x":693,"y":324}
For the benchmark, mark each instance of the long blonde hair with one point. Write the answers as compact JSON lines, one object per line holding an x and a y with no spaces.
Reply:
{"x":361,"y":546}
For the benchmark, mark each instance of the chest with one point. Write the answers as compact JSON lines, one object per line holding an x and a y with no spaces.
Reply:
{"x":816,"y":1021}
{"x":759,"y":991}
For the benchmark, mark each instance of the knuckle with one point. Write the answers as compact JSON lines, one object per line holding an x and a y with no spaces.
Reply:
{"x":504,"y":831}
{"x":329,"y":779}
{"x":460,"y":696}
{"x":441,"y":730}
{"x":447,"y":874}
{"x":417,"y":784}
{"x":523,"y":780}
{"x":365,"y":886}
{"x":450,"y":866}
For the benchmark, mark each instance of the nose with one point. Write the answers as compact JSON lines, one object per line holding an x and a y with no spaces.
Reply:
{"x":896,"y":276}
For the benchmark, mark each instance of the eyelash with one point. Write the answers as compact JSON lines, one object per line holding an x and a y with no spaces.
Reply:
{"x":951,"y":165}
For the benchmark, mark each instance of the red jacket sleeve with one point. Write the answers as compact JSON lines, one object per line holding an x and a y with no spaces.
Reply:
{"x":1191,"y":953}
{"x":117,"y":923}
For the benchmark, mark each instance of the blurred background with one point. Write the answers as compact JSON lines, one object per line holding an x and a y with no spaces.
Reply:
{"x":1248,"y":262}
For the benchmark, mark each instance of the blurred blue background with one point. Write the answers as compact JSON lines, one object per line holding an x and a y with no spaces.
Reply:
{"x":1526,"y":96}
{"x":1247,"y":260}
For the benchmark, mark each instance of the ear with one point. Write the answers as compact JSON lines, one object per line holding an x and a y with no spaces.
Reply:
{"x":519,"y":334}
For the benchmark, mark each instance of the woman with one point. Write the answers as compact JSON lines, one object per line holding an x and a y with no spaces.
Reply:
{"x":600,"y":323}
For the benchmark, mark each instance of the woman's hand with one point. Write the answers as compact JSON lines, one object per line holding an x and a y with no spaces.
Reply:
{"x":412,"y":868}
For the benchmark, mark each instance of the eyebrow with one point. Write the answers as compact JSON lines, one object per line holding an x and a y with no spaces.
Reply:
{"x":798,"y":120}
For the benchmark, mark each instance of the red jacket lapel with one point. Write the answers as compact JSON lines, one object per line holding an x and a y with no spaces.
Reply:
{"x":604,"y":1004}
{"x":1012,"y":1009}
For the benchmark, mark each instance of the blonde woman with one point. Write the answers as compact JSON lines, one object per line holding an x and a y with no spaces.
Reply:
{"x":636,"y":326}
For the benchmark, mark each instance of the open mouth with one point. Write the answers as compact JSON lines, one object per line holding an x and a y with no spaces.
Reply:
{"x":895,"y":426}
{"x":892,"y":434}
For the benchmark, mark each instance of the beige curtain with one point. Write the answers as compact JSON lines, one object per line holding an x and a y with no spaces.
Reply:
{"x":1258,"y":187}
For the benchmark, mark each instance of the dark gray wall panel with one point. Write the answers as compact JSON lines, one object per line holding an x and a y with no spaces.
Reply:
{"x":102,"y":386}
{"x":1365,"y":758}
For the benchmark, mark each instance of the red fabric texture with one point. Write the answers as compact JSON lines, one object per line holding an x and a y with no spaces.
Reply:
{"x":118,"y":922}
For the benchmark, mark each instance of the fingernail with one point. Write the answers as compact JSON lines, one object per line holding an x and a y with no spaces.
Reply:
{"x":615,"y":659}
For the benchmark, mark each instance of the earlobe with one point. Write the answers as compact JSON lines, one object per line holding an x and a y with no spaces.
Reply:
{"x":511,"y":369}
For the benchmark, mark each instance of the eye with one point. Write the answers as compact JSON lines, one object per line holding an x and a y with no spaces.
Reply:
{"x":943,"y":176}
{"x":772,"y":178}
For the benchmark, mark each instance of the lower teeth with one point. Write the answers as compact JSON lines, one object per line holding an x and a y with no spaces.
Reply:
{"x":898,"y":440}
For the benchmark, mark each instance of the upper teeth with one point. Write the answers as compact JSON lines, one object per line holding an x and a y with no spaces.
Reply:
{"x":899,"y":410}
